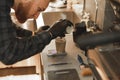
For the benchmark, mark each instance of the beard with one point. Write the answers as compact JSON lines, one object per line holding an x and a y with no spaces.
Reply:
{"x":22,"y":12}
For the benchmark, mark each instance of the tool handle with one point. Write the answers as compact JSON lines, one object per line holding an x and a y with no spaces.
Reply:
{"x":80,"y":60}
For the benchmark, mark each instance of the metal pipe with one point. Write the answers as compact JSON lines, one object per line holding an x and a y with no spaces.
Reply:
{"x":84,"y":1}
{"x":96,"y":11}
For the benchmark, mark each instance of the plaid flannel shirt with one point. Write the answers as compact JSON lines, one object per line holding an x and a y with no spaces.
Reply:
{"x":12,"y":48}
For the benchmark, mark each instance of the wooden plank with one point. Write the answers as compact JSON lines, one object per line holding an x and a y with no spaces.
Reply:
{"x":17,"y":70}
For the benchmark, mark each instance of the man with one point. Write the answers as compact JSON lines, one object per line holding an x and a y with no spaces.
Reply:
{"x":16,"y":43}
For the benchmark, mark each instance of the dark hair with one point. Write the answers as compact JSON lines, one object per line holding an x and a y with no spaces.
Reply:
{"x":52,"y":0}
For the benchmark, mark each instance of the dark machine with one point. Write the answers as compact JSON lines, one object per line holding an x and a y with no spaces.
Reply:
{"x":104,"y":33}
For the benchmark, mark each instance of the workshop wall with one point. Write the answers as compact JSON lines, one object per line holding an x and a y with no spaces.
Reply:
{"x":105,"y":15}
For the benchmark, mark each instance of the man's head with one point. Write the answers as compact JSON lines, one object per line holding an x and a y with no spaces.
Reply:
{"x":25,"y":9}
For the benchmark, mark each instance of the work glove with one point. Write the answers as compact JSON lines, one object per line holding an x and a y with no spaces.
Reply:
{"x":42,"y":28}
{"x":60,"y":28}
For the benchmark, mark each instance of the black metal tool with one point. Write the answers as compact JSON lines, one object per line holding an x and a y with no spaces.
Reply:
{"x":94,"y":70}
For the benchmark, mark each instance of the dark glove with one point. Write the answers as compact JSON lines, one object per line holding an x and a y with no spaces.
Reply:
{"x":59,"y":28}
{"x":42,"y":28}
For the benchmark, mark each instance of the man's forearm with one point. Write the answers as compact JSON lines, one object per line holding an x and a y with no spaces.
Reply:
{"x":20,"y":49}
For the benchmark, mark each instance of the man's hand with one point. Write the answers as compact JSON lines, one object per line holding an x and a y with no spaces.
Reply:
{"x":59,"y":28}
